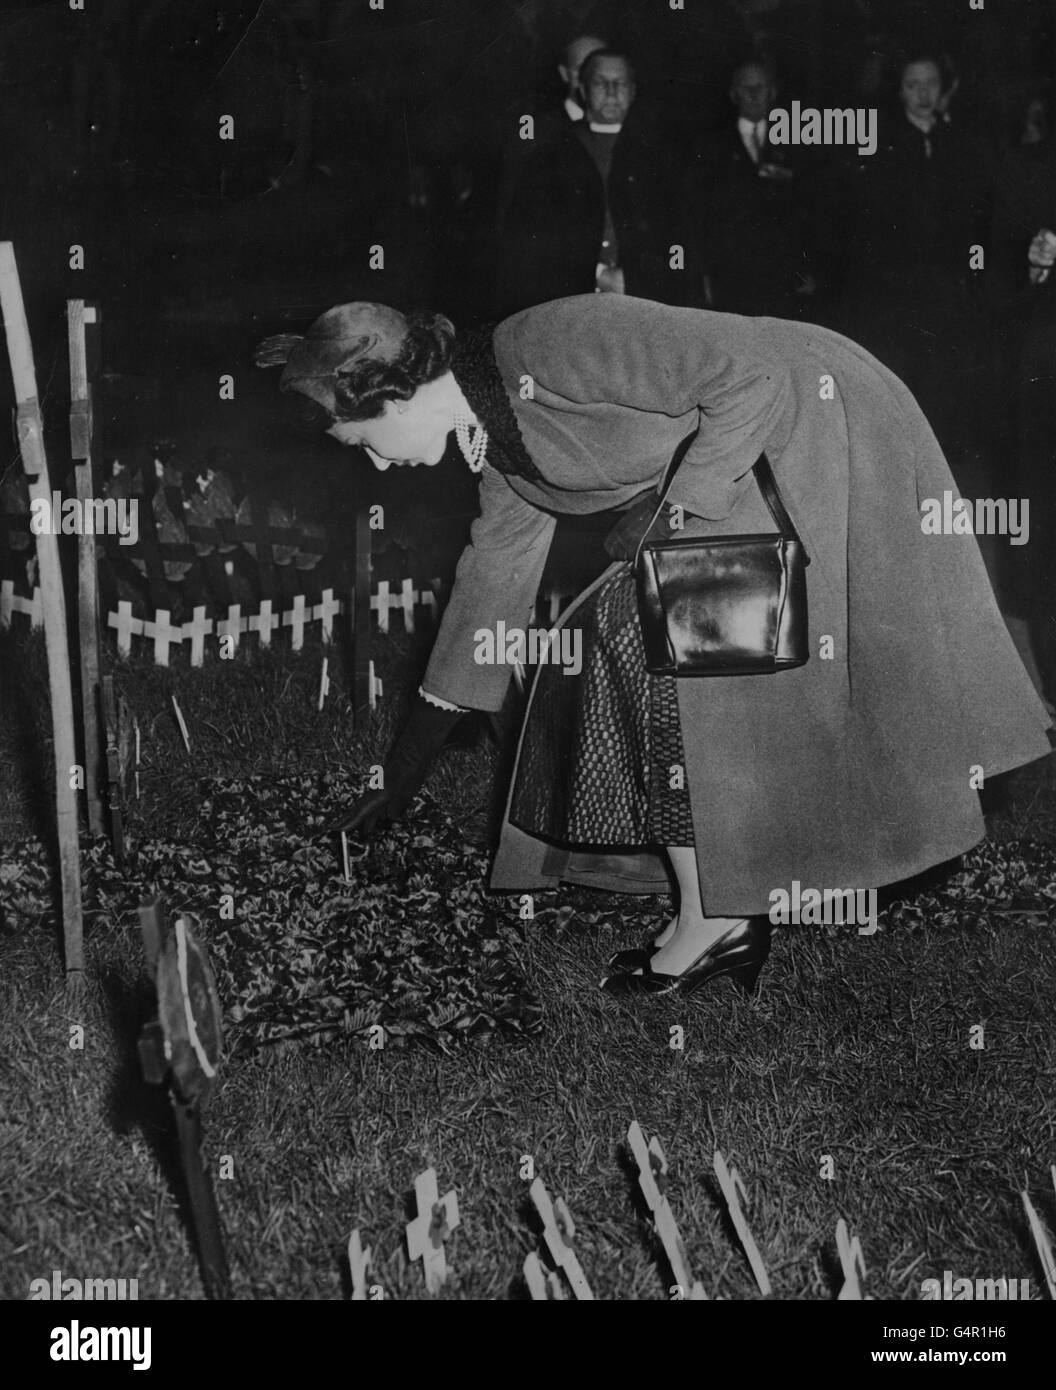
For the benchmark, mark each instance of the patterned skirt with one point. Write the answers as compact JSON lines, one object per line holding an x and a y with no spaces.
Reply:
{"x":601,"y":759}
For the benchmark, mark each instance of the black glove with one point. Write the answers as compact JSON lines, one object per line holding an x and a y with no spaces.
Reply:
{"x":423,"y":736}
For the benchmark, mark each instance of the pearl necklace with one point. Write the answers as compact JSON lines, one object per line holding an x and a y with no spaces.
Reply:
{"x":473,"y":449}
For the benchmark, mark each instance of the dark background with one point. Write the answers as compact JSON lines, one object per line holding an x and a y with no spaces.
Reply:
{"x":342,"y":114}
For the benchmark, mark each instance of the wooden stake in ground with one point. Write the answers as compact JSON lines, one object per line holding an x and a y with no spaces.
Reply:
{"x":1041,"y":1243}
{"x":730,"y":1182}
{"x":852,"y":1262}
{"x":63,"y":724}
{"x":652,"y":1179}
{"x":183,"y":1049}
{"x":77,"y":315}
{"x":358,"y":1264}
{"x":435,"y":1221}
{"x":558,"y":1231}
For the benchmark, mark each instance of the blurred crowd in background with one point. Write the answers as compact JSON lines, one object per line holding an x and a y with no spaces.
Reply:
{"x":405,"y":128}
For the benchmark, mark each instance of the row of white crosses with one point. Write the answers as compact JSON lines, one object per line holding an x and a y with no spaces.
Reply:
{"x":438,"y":1216}
{"x":164,"y":634}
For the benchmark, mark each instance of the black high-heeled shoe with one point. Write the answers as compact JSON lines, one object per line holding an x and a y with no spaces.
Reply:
{"x":634,"y":957}
{"x":740,"y":953}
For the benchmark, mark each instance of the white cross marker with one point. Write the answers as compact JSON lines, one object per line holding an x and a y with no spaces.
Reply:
{"x":426,"y":1234}
{"x":730,"y":1182}
{"x":558,"y":1230}
{"x":295,"y":619}
{"x":164,"y":636}
{"x":652,"y":1179}
{"x":852,"y":1261}
{"x":196,"y":632}
{"x":233,"y":625}
{"x":265,"y":623}
{"x":325,"y":611}
{"x":125,"y":625}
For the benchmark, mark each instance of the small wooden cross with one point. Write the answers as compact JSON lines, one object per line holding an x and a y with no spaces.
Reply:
{"x":652,"y":1179}
{"x":381,"y":603}
{"x":325,"y":611}
{"x":408,"y":598}
{"x":233,"y":625}
{"x":196,"y":632}
{"x":730,"y":1182}
{"x":437,"y":1218}
{"x":125,"y":625}
{"x":265,"y":623}
{"x":164,"y":636}
{"x":558,"y":1230}
{"x":295,"y":620}
{"x":358,"y":1264}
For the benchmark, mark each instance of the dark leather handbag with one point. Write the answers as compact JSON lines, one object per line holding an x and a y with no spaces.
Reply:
{"x":724,"y":605}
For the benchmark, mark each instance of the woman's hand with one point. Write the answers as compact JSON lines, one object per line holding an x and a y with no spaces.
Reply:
{"x":405,"y":769}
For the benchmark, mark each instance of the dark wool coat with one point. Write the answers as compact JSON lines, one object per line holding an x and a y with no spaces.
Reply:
{"x":849,"y":772}
{"x":551,"y":234}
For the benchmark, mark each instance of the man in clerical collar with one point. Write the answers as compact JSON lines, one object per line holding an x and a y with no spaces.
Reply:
{"x":592,"y":208}
{"x":608,"y":89}
{"x":576,"y":52}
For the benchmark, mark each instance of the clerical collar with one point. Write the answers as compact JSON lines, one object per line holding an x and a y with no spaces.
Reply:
{"x":600,"y":129}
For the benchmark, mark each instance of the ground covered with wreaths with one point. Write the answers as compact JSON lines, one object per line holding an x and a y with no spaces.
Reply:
{"x":498,"y":1044}
{"x":410,"y":940}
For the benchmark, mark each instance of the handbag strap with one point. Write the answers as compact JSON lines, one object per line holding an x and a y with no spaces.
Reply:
{"x":764,"y":476}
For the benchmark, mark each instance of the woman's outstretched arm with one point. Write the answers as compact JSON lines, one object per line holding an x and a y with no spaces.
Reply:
{"x":496,"y":581}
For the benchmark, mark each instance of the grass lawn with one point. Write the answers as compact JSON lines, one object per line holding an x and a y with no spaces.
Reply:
{"x":856,"y":1048}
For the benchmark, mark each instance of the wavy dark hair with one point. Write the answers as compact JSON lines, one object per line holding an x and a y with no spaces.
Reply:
{"x":363,"y":386}
{"x":362,"y":389}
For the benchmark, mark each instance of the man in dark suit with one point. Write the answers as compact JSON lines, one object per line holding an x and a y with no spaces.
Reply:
{"x":592,"y":208}
{"x":745,"y":215}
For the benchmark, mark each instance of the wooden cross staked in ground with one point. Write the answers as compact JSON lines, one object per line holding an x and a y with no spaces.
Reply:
{"x":558,"y":1232}
{"x":435,"y":1221}
{"x":652,"y":1179}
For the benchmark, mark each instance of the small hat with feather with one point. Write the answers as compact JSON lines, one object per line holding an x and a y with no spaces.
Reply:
{"x":339,"y":340}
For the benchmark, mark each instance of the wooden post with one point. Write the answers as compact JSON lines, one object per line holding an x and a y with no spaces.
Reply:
{"x":35,"y":463}
{"x":112,"y":722}
{"x":77,"y":315}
